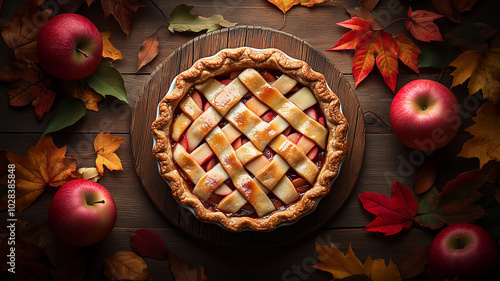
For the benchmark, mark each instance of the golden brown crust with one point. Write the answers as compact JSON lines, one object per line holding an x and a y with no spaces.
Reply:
{"x":235,"y":59}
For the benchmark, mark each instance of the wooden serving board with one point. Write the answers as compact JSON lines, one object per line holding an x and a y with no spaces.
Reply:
{"x":206,"y":45}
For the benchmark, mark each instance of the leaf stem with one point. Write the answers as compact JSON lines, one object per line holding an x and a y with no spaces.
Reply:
{"x":394,"y":21}
{"x":283,"y":23}
{"x":159,"y":9}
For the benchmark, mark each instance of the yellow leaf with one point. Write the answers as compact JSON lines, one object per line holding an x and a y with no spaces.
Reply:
{"x":105,"y":145}
{"x":341,"y":266}
{"x":485,"y":144}
{"x":78,"y":90}
{"x":45,"y":165}
{"x":108,"y":50}
{"x":285,"y":5}
{"x":482,"y":69}
{"x":125,"y":265}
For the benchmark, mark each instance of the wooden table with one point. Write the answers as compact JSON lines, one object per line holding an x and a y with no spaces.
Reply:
{"x":385,"y":157}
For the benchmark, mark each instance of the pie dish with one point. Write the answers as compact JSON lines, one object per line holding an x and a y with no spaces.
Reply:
{"x":249,"y":139}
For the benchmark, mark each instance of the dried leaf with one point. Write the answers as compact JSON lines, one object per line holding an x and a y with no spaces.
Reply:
{"x":22,"y":32}
{"x":149,"y":50}
{"x":456,"y":203}
{"x":485,"y":144}
{"x":29,"y":85}
{"x":344,"y":266}
{"x":421,"y":25}
{"x":45,"y":165}
{"x":483,"y":69}
{"x":105,"y":145}
{"x":108,"y":50}
{"x":471,"y":36}
{"x":392,"y":214}
{"x":79,"y":90}
{"x":68,"y":111}
{"x":444,"y":8}
{"x":370,"y":46}
{"x":69,"y":6}
{"x":124,"y":11}
{"x":414,"y":263}
{"x":310,"y":3}
{"x":426,"y":176}
{"x":148,"y":243}
{"x":362,"y":13}
{"x":182,"y":270}
{"x":90,"y":174}
{"x":182,"y":20}
{"x":285,"y":5}
{"x":408,"y":52}
{"x":369,"y":5}
{"x":464,"y":5}
{"x":106,"y":80}
{"x":125,"y":265}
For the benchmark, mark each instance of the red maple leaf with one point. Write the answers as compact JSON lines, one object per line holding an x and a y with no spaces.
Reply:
{"x":393,"y":214}
{"x":370,"y":46}
{"x":421,"y":25}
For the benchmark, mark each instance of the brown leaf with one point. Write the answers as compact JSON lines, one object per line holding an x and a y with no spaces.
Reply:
{"x":363,"y":13}
{"x":105,"y":145}
{"x":444,"y":8}
{"x":369,"y":5}
{"x":29,"y":85}
{"x":45,"y":165}
{"x":426,"y":176}
{"x":90,"y":174}
{"x":125,"y":265}
{"x":108,"y":50}
{"x":182,"y":270}
{"x":124,"y":11}
{"x":22,"y":32}
{"x":464,"y":5}
{"x":414,"y":263}
{"x":82,"y":91}
{"x":149,"y":50}
{"x":69,"y":6}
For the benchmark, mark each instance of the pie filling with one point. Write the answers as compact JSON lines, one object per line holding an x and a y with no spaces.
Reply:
{"x":249,"y":143}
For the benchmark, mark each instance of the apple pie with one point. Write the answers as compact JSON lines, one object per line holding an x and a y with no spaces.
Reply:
{"x":249,"y":139}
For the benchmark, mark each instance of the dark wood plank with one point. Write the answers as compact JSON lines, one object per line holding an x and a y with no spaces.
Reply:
{"x":205,"y":45}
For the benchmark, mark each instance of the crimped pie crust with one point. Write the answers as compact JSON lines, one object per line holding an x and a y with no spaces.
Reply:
{"x":224,"y":62}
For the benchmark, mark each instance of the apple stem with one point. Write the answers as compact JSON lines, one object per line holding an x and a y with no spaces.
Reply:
{"x":98,"y":202}
{"x":82,"y":52}
{"x":460,"y":246}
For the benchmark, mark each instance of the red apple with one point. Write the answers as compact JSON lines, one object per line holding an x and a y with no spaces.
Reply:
{"x":69,"y":47}
{"x":82,"y":213}
{"x":463,"y":251}
{"x":425,"y":115}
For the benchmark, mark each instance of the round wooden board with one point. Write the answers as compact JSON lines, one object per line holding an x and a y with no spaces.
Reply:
{"x":206,"y":45}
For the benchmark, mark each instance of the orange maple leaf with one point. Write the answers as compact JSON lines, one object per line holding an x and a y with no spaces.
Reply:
{"x":285,"y":5}
{"x":45,"y":165}
{"x":82,"y":91}
{"x":485,"y":145}
{"x":108,"y":50}
{"x":105,"y":145}
{"x":483,"y":69}
{"x":21,"y":33}
{"x":341,"y":266}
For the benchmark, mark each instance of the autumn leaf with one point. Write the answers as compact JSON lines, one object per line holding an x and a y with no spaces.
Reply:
{"x":426,"y":176}
{"x":69,"y":6}
{"x":414,"y":263}
{"x":464,"y":5}
{"x":90,"y":174}
{"x":21,"y":34}
{"x":485,"y":145}
{"x":182,"y":270}
{"x":149,"y":50}
{"x":421,"y":25}
{"x":29,"y":85}
{"x":368,"y":5}
{"x":482,"y":69}
{"x":108,"y":50}
{"x":393,"y":214}
{"x":45,"y":165}
{"x":471,"y":36}
{"x":105,"y":145}
{"x":408,"y":52}
{"x":363,"y":13}
{"x":79,"y":90}
{"x":285,"y":5}
{"x":182,"y":20}
{"x":124,"y":11}
{"x":125,"y":265}
{"x":370,"y":46}
{"x":148,"y":243}
{"x":456,"y":203}
{"x":343,"y":266}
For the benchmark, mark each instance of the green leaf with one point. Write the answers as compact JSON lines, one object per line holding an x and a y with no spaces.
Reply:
{"x":67,"y":112}
{"x":106,"y":80}
{"x":437,"y":54}
{"x":456,"y":203}
{"x":182,"y":20}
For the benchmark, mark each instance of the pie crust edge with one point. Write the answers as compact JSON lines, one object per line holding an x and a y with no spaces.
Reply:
{"x":235,"y":59}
